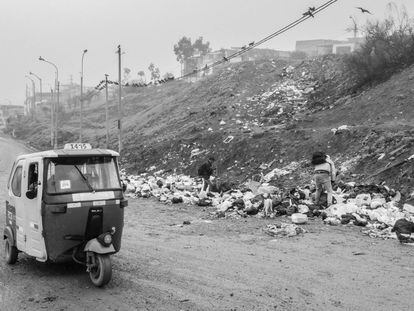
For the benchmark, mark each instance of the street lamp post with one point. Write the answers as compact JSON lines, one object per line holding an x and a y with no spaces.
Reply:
{"x":34,"y":93}
{"x":119,"y":101}
{"x":26,"y":102}
{"x":40,"y":85}
{"x":55,"y":109}
{"x":106,"y":111}
{"x":81,"y":98}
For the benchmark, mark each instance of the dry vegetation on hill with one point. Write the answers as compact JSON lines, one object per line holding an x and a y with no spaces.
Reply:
{"x":276,"y":113}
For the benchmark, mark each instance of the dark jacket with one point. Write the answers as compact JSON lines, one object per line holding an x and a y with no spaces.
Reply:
{"x":206,"y":170}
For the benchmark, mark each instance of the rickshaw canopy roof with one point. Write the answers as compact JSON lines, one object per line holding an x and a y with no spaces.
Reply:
{"x":65,"y":153}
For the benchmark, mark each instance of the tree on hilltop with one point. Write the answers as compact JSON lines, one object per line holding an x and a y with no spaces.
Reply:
{"x":126,"y":75}
{"x":141,"y":75}
{"x":155,"y":72}
{"x":184,"y":49}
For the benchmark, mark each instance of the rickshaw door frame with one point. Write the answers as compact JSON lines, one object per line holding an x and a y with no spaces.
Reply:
{"x":35,"y":243}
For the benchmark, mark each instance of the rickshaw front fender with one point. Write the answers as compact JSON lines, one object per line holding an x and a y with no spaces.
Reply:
{"x":8,"y":234}
{"x":96,"y":247}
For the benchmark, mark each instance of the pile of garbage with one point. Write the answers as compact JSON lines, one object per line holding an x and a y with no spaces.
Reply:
{"x":285,"y":98}
{"x":375,"y":207}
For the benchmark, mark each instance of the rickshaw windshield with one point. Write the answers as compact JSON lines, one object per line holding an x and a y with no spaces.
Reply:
{"x":81,"y":174}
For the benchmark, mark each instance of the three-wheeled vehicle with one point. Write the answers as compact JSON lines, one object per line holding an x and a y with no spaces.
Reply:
{"x":66,"y":204}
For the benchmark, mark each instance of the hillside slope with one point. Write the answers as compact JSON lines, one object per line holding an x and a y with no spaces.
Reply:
{"x":258,"y":116}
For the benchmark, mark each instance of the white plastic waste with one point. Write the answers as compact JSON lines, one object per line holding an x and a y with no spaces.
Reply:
{"x":299,"y":218}
{"x":363,"y":199}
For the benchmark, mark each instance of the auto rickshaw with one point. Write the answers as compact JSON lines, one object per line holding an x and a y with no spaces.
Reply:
{"x":66,"y":204}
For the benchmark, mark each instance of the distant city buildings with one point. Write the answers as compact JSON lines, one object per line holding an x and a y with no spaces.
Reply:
{"x":68,"y":98}
{"x":199,"y":64}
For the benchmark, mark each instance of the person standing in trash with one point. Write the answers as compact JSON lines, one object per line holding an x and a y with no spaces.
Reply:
{"x":205,"y":171}
{"x":325,"y":174}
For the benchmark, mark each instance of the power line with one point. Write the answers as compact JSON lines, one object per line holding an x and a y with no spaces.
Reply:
{"x":310,"y":13}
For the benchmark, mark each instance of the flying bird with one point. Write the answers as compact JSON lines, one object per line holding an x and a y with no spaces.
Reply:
{"x":251,"y":43}
{"x":364,"y":10}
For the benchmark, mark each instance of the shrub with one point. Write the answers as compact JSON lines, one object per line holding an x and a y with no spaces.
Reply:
{"x":388,"y":47}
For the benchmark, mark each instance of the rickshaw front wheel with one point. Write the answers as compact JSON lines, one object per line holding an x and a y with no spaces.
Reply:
{"x":10,"y":252}
{"x":101,"y":273}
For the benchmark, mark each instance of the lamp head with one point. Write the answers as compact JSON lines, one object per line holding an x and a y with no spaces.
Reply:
{"x":84,"y":51}
{"x":41,"y":58}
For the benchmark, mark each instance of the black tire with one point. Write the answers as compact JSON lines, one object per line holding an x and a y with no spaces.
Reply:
{"x":10,"y":252}
{"x":101,"y":274}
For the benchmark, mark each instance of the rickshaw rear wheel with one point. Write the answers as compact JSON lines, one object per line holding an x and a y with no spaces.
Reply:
{"x":11,"y":252}
{"x":101,"y":273}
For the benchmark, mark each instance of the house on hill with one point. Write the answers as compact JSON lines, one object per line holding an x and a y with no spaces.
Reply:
{"x":199,"y":61}
{"x":313,"y":48}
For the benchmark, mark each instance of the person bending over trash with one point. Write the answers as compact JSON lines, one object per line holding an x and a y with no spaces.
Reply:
{"x":325,"y":174}
{"x":205,"y":171}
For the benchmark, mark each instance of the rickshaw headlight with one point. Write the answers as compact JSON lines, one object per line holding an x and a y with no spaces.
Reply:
{"x":105,"y":239}
{"x":108,"y":239}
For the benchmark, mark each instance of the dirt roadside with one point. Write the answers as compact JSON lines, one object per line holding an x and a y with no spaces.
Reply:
{"x":222,"y":264}
{"x":216,"y":264}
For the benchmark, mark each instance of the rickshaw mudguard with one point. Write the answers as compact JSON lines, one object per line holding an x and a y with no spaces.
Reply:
{"x":96,"y":247}
{"x":8,"y":234}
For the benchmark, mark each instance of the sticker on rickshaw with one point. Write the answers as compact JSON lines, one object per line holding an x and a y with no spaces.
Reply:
{"x":65,"y":184}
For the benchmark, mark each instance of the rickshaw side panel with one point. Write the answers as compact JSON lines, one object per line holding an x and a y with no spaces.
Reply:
{"x":10,"y":223}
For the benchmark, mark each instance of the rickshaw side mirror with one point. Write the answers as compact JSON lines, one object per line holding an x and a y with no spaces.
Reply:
{"x":124,"y":186}
{"x":31,"y":194}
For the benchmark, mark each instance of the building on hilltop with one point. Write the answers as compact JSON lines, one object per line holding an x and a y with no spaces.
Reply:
{"x":199,"y":61}
{"x":313,"y":48}
{"x":347,"y":47}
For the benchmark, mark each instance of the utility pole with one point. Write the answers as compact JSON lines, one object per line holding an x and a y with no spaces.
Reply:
{"x":52,"y":118}
{"x":119,"y":102}
{"x":57,"y":96}
{"x":56,"y":114}
{"x":40,"y":84}
{"x":81,"y":98}
{"x":34,"y":95}
{"x":354,"y":29}
{"x":106,"y":111}
{"x":26,"y":101}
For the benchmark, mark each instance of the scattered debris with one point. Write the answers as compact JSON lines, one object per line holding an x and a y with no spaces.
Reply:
{"x":284,"y":229}
{"x":228,"y":139}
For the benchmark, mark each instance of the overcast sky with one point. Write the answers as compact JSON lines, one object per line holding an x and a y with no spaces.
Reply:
{"x":59,"y":30}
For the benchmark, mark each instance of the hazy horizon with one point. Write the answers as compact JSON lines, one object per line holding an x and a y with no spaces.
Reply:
{"x":147,"y":31}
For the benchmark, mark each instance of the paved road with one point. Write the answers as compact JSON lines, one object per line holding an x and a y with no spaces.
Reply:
{"x":216,"y":264}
